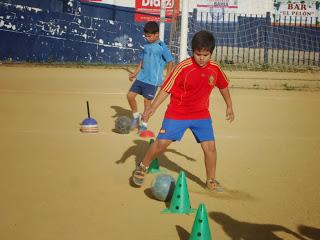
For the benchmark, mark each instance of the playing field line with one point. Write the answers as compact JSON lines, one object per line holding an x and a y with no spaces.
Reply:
{"x":55,"y":132}
{"x":60,"y":92}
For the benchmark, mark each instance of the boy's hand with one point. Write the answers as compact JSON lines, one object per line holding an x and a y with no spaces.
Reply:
{"x":147,"y":114}
{"x":132,"y":76}
{"x":229,"y":114}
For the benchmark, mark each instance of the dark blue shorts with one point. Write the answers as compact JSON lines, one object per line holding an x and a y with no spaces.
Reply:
{"x":148,"y":91}
{"x":174,"y":129}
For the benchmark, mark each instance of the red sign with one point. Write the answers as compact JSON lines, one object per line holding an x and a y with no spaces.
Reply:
{"x":149,"y":10}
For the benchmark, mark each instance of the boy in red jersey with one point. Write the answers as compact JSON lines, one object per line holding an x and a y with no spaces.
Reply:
{"x":189,"y":86}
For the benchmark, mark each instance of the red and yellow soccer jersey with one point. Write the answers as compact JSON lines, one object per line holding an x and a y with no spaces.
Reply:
{"x":190,"y":87}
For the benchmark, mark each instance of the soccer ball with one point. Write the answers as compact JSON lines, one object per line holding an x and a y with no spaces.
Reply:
{"x":162,"y":187}
{"x":123,"y":125}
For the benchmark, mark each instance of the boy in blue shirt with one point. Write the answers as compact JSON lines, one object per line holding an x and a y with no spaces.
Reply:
{"x":148,"y":74}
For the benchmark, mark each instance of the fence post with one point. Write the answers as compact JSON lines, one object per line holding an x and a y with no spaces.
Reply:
{"x":267,"y":38}
{"x":194,"y":15}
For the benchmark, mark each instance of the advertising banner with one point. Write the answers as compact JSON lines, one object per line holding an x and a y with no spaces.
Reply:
{"x":296,"y":12}
{"x":213,"y":10}
{"x":149,"y":10}
{"x":217,"y":4}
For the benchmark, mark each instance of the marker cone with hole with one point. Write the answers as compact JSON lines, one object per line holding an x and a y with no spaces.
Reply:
{"x":200,"y":228}
{"x":180,"y":201}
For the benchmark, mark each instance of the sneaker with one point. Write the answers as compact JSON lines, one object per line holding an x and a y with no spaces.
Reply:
{"x":134,"y":123}
{"x":142,"y":128}
{"x":139,"y":174}
{"x":213,"y":185}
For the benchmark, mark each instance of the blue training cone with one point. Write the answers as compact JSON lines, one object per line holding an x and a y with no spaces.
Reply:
{"x":89,"y":125}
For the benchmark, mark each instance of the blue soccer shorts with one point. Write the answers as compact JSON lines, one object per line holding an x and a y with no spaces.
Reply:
{"x":174,"y":129}
{"x":148,"y":91}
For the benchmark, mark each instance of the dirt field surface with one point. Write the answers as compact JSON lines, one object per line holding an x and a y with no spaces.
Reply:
{"x":59,"y":183}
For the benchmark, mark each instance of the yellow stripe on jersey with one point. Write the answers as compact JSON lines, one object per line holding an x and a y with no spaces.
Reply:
{"x":215,"y":64}
{"x":175,"y":73}
{"x":167,"y":87}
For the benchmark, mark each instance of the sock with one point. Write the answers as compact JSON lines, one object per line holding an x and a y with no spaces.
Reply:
{"x":144,"y":124}
{"x":136,"y":115}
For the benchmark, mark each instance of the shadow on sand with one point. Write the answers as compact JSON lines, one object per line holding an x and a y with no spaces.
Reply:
{"x":250,"y":231}
{"x":183,"y":233}
{"x":310,"y":232}
{"x":141,"y":146}
{"x":120,"y":111}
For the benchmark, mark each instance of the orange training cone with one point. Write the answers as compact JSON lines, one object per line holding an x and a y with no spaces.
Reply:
{"x":146,"y":134}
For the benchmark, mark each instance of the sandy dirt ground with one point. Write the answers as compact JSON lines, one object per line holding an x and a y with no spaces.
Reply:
{"x":59,"y":183}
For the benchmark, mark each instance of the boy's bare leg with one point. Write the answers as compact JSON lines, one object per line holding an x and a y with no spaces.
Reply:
{"x":131,"y":96}
{"x":147,"y":104}
{"x":157,"y":147}
{"x":144,"y":122}
{"x":210,"y":158}
{"x":210,"y":161}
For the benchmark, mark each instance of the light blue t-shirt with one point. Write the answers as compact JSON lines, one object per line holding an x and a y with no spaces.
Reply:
{"x":155,"y":56}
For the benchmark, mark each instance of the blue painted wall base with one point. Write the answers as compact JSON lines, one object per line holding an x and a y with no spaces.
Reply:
{"x":31,"y":34}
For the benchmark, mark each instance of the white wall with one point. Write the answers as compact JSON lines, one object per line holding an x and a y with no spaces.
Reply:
{"x":121,"y":3}
{"x":245,"y":6}
{"x":255,"y":6}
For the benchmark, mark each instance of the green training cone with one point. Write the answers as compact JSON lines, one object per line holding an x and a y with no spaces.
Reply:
{"x":180,"y":202}
{"x":154,"y":165}
{"x":200,"y":228}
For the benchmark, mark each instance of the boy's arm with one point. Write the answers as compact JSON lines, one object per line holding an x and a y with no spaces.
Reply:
{"x":161,"y":96}
{"x":227,"y":98}
{"x":169,"y":67}
{"x":133,"y":75}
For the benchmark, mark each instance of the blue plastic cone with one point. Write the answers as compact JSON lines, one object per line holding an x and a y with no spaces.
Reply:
{"x":200,"y":228}
{"x":180,"y":201}
{"x":89,"y":125}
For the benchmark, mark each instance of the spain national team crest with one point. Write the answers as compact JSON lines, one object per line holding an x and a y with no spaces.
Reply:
{"x":211,"y":80}
{"x":162,"y":131}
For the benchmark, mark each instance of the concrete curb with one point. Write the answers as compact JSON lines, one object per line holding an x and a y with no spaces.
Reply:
{"x":275,"y":80}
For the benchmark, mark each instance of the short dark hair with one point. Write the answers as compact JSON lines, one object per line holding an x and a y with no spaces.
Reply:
{"x":151,"y":27}
{"x":203,"y":40}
